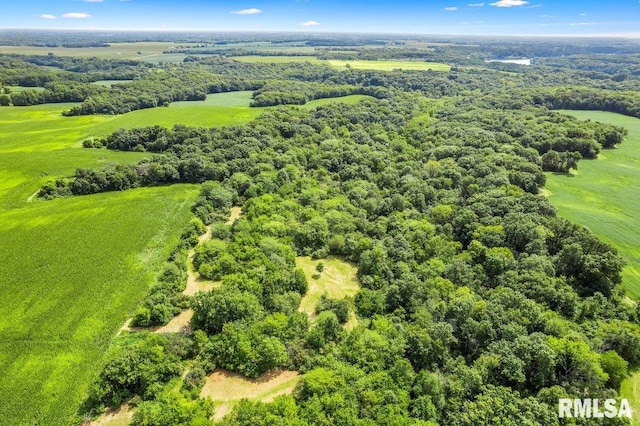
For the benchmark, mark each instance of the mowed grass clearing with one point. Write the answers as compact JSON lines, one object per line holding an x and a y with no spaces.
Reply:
{"x":337,"y":280}
{"x":391,"y":65}
{"x":226,"y":388}
{"x":603,"y":195}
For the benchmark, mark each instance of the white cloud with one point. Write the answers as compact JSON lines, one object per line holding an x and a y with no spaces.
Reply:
{"x":582,"y":24}
{"x":250,"y":11}
{"x":451,"y":9}
{"x":509,"y":3}
{"x":47,"y":16}
{"x":475,"y":4}
{"x":309,"y":24}
{"x":76,"y":15}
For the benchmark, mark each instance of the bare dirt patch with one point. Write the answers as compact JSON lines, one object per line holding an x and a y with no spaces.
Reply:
{"x":227,"y":388}
{"x":121,"y":416}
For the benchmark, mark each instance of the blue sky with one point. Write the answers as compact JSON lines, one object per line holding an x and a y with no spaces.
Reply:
{"x":504,"y":17}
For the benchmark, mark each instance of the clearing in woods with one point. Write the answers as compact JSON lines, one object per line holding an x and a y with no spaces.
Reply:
{"x":226,"y":388}
{"x":337,"y":280}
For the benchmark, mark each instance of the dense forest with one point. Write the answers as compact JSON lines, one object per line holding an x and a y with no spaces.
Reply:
{"x":478,"y":303}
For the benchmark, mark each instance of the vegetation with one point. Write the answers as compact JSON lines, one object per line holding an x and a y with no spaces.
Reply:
{"x":454,"y":291}
{"x":601,"y":195}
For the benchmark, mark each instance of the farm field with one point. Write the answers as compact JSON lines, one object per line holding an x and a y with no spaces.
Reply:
{"x":391,"y":65}
{"x":275,"y":59}
{"x":114,"y":51}
{"x":73,"y":269}
{"x":603,"y":195}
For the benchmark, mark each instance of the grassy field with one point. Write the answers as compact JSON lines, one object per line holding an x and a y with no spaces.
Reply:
{"x":630,"y":390}
{"x":337,"y":280}
{"x":275,"y":59}
{"x":142,"y":50}
{"x":72,"y":269}
{"x":109,"y":83}
{"x":229,"y":99}
{"x":391,"y":65}
{"x":349,"y":100}
{"x":603,"y":195}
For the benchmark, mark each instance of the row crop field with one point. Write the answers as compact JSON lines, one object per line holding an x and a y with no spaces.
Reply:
{"x":72,"y":269}
{"x":603,"y":195}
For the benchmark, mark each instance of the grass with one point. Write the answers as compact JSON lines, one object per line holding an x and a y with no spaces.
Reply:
{"x":109,"y":83}
{"x":228,"y":99}
{"x":349,"y":100}
{"x":72,"y":269}
{"x":114,"y":51}
{"x":338,"y":280}
{"x":630,"y":390}
{"x":226,"y":389}
{"x":275,"y":59}
{"x":391,"y":65}
{"x":603,"y":195}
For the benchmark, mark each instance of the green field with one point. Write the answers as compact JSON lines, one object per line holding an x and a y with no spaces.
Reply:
{"x":72,"y":269}
{"x":275,"y":59}
{"x":228,"y":99}
{"x":630,"y":390}
{"x":142,"y":50}
{"x":349,"y":100}
{"x":603,"y":195}
{"x":391,"y":65}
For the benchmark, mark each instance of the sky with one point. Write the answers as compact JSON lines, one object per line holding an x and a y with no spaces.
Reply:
{"x":490,"y":17}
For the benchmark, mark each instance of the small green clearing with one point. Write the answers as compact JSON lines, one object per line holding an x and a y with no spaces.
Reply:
{"x":23,"y":88}
{"x":337,"y":280}
{"x":109,"y":83}
{"x":603,"y":195}
{"x":391,"y":65}
{"x":349,"y":100}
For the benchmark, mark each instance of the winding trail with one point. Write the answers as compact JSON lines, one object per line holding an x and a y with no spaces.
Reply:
{"x":181,"y":322}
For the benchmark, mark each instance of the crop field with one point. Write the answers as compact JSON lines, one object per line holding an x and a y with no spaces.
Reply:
{"x":140,"y":50}
{"x":630,"y":389}
{"x":338,"y":280}
{"x":275,"y":59}
{"x":72,"y":269}
{"x":603,"y":195}
{"x":391,"y":65}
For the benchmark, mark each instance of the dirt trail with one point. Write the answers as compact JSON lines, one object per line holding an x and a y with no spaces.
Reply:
{"x":194,"y":282}
{"x":180,"y":324}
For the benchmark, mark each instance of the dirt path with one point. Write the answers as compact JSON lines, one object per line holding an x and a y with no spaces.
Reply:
{"x":194,"y":282}
{"x":32,"y":196}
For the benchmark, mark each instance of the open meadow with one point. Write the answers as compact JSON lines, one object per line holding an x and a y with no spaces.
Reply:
{"x":391,"y":65}
{"x":603,"y":195}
